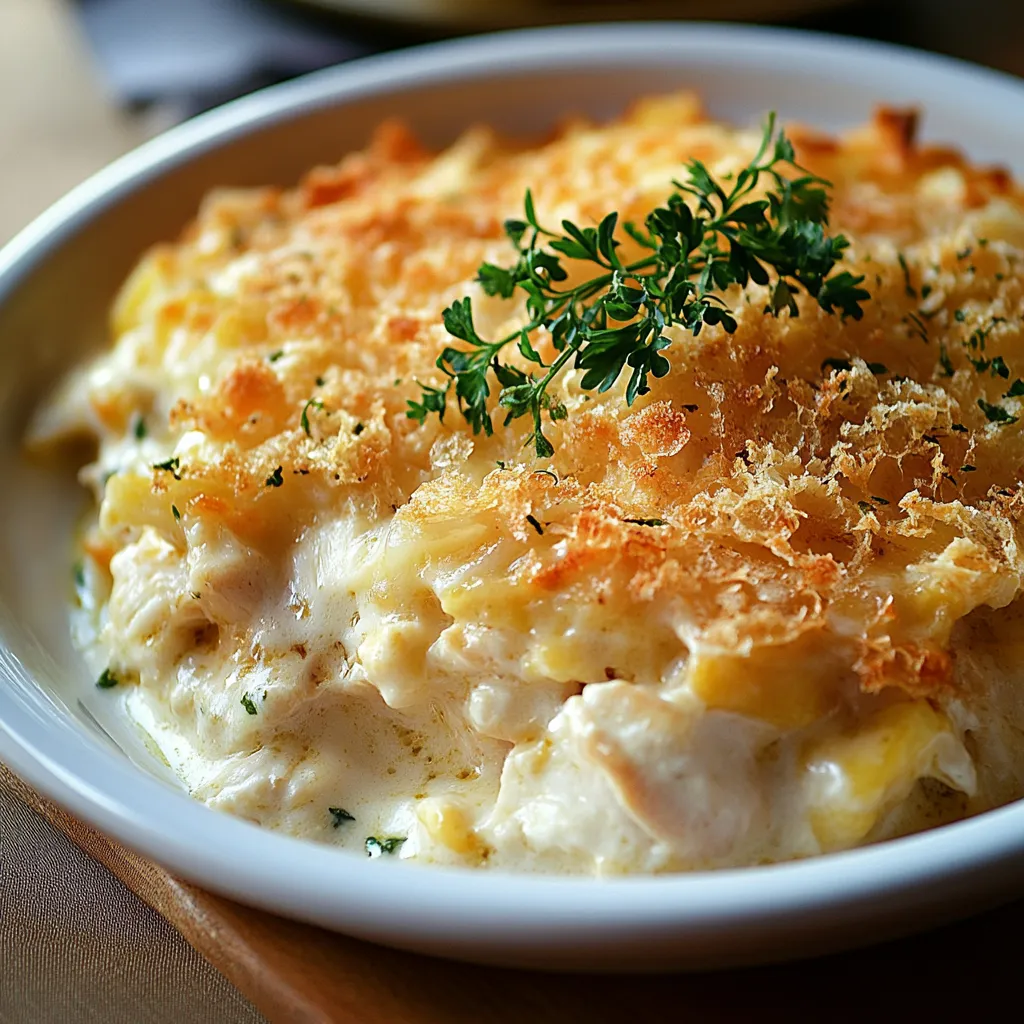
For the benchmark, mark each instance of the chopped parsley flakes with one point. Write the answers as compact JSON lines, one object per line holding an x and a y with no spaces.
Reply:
{"x":375,"y":847}
{"x":836,"y":364}
{"x":995,"y":413}
{"x":304,"y":418}
{"x":907,"y":286}
{"x":170,"y":466}
{"x":339,"y":816}
{"x":944,"y":361}
{"x":107,"y":680}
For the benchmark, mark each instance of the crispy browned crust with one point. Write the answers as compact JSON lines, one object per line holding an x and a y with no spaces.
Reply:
{"x":806,"y":505}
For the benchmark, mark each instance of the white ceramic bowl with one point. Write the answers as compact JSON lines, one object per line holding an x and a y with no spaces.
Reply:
{"x":56,"y":281}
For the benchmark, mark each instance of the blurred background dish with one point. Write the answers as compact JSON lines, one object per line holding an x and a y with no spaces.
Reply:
{"x":474,"y":15}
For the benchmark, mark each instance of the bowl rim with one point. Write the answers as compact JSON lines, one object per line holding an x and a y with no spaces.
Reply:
{"x":347,"y":892}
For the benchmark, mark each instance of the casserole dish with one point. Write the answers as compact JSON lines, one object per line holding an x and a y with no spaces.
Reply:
{"x":56,"y":283}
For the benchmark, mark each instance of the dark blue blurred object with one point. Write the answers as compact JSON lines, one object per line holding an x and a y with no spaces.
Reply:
{"x":189,"y":55}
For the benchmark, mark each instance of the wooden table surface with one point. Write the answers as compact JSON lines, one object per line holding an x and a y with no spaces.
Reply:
{"x":61,"y":128}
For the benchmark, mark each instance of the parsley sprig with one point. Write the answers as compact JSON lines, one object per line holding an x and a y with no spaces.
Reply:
{"x":709,"y":236}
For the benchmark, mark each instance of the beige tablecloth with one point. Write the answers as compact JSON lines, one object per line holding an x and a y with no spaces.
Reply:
{"x":78,"y":947}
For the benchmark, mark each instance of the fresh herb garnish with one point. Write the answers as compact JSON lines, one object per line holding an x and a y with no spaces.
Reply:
{"x":171,"y":466}
{"x":959,"y":428}
{"x":375,"y":847}
{"x":535,"y":523}
{"x":275,"y":479}
{"x":878,"y":368}
{"x":339,"y":816}
{"x":320,"y":382}
{"x":1016,"y":389}
{"x":646,"y":522}
{"x":436,"y":400}
{"x":175,"y":513}
{"x":274,"y":356}
{"x":617,"y":318}
{"x":967,"y":468}
{"x":304,"y":418}
{"x":79,"y":573}
{"x":358,"y":429}
{"x":879,"y":501}
{"x":247,"y":703}
{"x":107,"y":680}
{"x":139,"y":430}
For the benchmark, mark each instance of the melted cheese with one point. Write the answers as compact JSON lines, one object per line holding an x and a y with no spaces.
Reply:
{"x":317,"y":603}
